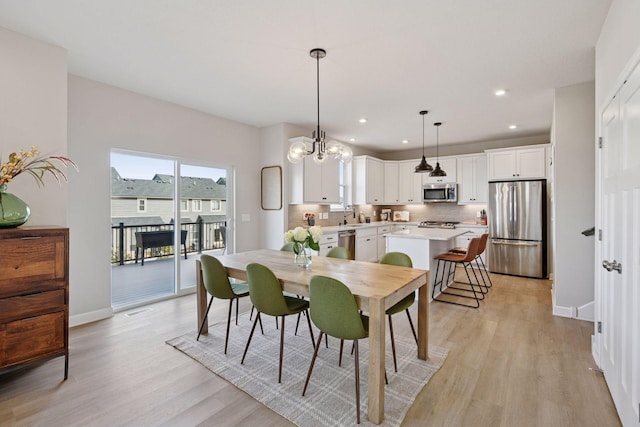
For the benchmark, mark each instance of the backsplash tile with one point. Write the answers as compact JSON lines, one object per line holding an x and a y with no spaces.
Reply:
{"x":417,"y":213}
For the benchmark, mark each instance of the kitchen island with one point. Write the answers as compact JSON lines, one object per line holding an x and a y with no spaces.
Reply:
{"x":422,"y":244}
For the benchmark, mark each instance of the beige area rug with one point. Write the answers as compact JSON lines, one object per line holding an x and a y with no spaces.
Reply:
{"x":330,"y":397}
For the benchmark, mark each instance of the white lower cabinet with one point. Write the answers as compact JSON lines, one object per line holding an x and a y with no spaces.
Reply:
{"x":327,"y":242}
{"x":367,"y":244}
{"x":382,"y":241}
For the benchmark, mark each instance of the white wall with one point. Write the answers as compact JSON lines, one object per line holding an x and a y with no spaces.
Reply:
{"x":33,"y":109}
{"x":618,"y":42}
{"x":103,"y":117}
{"x":465,"y":148}
{"x":574,"y":175}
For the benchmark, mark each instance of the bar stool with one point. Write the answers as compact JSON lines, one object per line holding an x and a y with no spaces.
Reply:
{"x":449,"y":260}
{"x":481,"y":248}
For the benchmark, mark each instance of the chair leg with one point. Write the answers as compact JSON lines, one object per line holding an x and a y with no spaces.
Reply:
{"x":226,"y":338}
{"x":357,"y":366}
{"x":340,"y":358}
{"x":310,"y":329}
{"x":313,"y":361}
{"x":298,"y":324}
{"x":251,"y":314}
{"x":237,"y":309}
{"x":253,"y":328}
{"x":486,"y":271}
{"x":261,"y":328}
{"x":282,"y":348}
{"x":204,"y":319}
{"x":393,"y":344}
{"x":415,"y":336}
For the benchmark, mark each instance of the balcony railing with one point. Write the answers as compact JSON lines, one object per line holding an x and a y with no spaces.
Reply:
{"x":201,"y":236}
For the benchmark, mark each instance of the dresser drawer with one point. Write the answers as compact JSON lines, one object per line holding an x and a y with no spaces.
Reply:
{"x":19,"y":307}
{"x":32,"y":263}
{"x":32,"y":338}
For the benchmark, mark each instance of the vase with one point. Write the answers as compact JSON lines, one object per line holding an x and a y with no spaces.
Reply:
{"x":303,"y":258}
{"x":13,"y":211}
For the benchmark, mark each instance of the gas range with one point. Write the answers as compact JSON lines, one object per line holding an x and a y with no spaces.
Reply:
{"x":438,"y":224}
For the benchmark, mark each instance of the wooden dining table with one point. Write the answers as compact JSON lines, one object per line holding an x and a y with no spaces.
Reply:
{"x":376,"y":287}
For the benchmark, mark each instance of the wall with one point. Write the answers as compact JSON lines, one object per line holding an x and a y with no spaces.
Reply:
{"x":465,"y":148}
{"x":103,"y":117}
{"x":33,"y":102}
{"x":574,"y":172}
{"x":619,"y":41}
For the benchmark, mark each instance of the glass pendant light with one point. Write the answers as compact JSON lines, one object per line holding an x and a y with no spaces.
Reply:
{"x":423,"y":166}
{"x":437,"y":171}
{"x":298,"y":150}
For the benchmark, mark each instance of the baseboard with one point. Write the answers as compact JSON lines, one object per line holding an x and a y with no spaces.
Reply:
{"x":563,"y":311}
{"x":584,"y":312}
{"x":587,"y":311}
{"x":92,"y":316}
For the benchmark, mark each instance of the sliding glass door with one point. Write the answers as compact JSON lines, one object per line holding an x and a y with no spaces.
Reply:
{"x":160,"y":225}
{"x":203,"y":214}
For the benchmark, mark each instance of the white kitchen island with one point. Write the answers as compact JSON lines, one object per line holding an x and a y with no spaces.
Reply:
{"x":422,"y":244}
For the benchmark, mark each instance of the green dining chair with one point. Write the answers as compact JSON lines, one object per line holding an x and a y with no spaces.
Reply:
{"x":287,"y":247}
{"x":339,"y":252}
{"x":403,"y":260}
{"x":216,"y":282}
{"x":334,"y":311}
{"x":267,"y":297}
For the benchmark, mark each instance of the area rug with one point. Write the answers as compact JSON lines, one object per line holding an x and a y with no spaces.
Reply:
{"x":330,"y":397}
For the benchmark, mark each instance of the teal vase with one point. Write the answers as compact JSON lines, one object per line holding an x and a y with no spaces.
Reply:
{"x":13,"y":211}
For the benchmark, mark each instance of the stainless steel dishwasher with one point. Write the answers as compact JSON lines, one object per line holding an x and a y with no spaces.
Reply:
{"x":347,"y":239}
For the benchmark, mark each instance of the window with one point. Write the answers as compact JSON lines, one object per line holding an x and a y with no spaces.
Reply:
{"x":345,"y":189}
{"x":196,"y":205}
{"x":215,"y":205}
{"x":142,"y":205}
{"x":184,"y":205}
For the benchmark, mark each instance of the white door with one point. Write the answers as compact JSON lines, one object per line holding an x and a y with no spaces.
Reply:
{"x":619,"y":283}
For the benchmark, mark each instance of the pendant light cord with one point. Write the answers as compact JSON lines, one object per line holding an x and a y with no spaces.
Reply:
{"x":318,"y":93}
{"x":437,"y":143}
{"x":423,"y":135}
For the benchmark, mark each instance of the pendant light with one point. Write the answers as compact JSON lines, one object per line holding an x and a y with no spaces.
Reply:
{"x":423,"y":166}
{"x":298,"y":150}
{"x":437,"y":171}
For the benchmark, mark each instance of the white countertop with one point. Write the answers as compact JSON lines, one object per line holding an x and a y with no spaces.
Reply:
{"x":358,"y":226}
{"x":427,"y":233}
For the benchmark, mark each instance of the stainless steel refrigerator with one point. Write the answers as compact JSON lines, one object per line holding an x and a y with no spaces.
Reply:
{"x":518,"y":228}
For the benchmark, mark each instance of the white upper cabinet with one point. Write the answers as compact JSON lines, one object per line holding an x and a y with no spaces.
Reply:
{"x":368,"y":180}
{"x":447,"y":164}
{"x":518,"y":163}
{"x":315,"y":183}
{"x":391,"y":186}
{"x":473,"y":184}
{"x":410,"y":183}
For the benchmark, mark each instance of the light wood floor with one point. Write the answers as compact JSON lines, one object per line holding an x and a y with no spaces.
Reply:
{"x":510,"y":363}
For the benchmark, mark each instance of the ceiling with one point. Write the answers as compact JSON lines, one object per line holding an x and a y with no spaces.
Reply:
{"x":248,"y":60}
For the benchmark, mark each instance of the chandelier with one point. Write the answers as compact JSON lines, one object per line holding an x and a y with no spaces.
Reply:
{"x":320,"y":149}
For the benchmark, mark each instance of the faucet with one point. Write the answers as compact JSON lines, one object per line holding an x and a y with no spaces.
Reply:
{"x":346,"y":214}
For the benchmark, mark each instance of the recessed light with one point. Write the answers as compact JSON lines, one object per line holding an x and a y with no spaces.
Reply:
{"x":352,"y":140}
{"x":405,"y":141}
{"x":513,"y":126}
{"x":500,"y":92}
{"x":363,"y":120}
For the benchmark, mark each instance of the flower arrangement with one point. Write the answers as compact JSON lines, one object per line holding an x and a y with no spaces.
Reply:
{"x":304,"y":238}
{"x":35,"y":164}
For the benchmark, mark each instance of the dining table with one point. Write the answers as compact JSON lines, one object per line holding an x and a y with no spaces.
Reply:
{"x":376,"y":287}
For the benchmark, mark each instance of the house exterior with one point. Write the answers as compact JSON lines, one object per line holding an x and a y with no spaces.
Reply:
{"x":148,"y":205}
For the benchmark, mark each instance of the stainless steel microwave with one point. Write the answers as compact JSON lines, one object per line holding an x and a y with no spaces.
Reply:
{"x":437,"y":193}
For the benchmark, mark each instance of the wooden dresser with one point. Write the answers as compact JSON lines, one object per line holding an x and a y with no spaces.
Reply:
{"x":34,"y":295}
